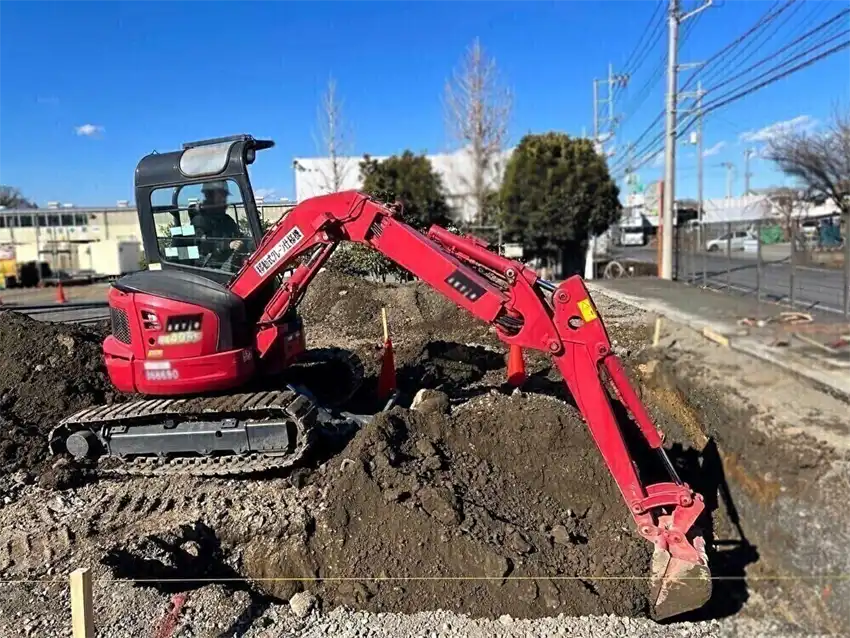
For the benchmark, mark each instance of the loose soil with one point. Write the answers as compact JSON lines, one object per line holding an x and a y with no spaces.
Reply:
{"x":477,"y":484}
{"x":47,"y":371}
{"x":423,"y":495}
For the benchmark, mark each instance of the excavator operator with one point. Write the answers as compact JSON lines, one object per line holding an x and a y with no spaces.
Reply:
{"x":213,"y":226}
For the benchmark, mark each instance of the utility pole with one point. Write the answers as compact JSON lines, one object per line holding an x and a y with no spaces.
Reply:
{"x":698,"y":95}
{"x":674,"y":19}
{"x":595,"y":112}
{"x":700,"y":158}
{"x":599,"y":142}
{"x":730,"y":167}
{"x":610,"y":120}
{"x":748,"y":153}
{"x":630,"y":177}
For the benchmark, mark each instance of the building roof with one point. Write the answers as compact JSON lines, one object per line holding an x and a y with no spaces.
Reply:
{"x":68,"y":211}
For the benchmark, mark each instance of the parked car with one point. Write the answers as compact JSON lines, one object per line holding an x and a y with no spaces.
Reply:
{"x":737,"y":241}
{"x":55,"y":277}
{"x":70,"y":278}
{"x":809,"y":230}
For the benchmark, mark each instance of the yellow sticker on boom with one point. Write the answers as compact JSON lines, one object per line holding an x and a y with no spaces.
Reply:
{"x":588,"y":313}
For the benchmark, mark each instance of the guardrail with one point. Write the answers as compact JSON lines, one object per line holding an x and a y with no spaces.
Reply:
{"x":776,"y":263}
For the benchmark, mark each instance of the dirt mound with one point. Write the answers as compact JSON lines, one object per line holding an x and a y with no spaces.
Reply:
{"x":47,"y":371}
{"x":503,"y":497}
{"x":351,"y":306}
{"x":497,"y":490}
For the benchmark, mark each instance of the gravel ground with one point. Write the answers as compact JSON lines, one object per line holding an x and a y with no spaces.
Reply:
{"x":43,"y":534}
{"x":214,"y":612}
{"x":442,"y":624}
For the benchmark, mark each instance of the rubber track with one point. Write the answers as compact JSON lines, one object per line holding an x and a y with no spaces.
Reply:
{"x":255,"y":405}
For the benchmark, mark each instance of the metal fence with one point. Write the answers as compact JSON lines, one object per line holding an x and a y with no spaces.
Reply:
{"x":802,"y":266}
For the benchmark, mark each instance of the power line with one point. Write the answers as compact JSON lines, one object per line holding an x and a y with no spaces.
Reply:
{"x":736,"y":58}
{"x":801,"y":26}
{"x":723,"y":101}
{"x":644,"y":46}
{"x":658,"y":73}
{"x":764,"y":20}
{"x":818,"y":10}
{"x":772,"y":57}
{"x":740,"y":93}
{"x":646,"y":89}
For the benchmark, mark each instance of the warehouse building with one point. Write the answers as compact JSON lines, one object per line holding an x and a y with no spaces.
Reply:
{"x":313,"y":177}
{"x":69,"y":237}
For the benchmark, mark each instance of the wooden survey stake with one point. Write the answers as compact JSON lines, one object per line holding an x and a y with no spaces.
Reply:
{"x":656,"y":337}
{"x":386,"y":327}
{"x":82,"y":610}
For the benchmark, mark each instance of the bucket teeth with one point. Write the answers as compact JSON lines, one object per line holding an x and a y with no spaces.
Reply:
{"x":678,"y":586}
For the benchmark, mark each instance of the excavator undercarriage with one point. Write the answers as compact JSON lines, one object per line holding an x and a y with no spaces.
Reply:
{"x":190,"y":331}
{"x":221,"y":436}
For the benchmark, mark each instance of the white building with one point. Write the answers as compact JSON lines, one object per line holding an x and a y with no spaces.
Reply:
{"x":313,"y":176}
{"x":644,"y":207}
{"x":756,"y":207}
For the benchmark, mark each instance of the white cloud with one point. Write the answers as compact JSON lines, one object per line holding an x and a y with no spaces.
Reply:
{"x":88,"y":130}
{"x":265,"y":193}
{"x":658,"y":161}
{"x":714,"y":150}
{"x":772,"y":131}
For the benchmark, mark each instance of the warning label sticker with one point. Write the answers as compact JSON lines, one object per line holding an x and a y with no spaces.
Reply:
{"x":585,"y":307}
{"x":279,"y":251}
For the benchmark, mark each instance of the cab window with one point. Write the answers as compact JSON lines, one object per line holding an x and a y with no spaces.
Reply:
{"x":202,"y":225}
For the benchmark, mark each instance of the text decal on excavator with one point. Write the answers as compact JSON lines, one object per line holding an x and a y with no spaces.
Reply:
{"x":279,"y":251}
{"x":465,"y":286}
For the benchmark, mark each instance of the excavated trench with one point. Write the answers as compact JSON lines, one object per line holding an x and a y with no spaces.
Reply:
{"x":776,"y":522}
{"x":481,"y":500}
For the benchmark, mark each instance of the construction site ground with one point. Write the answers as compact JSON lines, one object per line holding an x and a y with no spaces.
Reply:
{"x":484,"y":511}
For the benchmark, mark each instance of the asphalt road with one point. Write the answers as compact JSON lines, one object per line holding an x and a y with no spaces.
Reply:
{"x":72,"y":312}
{"x":813,"y":287}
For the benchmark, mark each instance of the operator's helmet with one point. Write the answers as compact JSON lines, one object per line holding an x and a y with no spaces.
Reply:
{"x":215,"y":195}
{"x":215,"y":187}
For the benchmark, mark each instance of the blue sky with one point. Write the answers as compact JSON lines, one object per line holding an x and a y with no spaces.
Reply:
{"x":88,"y":88}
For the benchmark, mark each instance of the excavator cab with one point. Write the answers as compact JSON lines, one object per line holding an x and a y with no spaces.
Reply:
{"x":196,"y":207}
{"x":178,"y":327}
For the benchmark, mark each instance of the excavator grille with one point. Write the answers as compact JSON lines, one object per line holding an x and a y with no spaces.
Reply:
{"x":120,"y":325}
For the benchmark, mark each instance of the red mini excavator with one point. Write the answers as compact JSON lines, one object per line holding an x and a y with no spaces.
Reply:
{"x":217,"y":309}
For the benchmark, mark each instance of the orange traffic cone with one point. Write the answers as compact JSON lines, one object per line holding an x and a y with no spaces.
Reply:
{"x":60,"y":294}
{"x":387,"y":380}
{"x":516,"y":367}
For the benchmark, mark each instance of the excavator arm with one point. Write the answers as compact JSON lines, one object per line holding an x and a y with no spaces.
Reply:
{"x":527,"y":311}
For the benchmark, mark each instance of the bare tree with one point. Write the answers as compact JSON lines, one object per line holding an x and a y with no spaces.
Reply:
{"x":478,"y":110}
{"x":11,"y":197}
{"x":820,"y":162}
{"x":334,"y":141}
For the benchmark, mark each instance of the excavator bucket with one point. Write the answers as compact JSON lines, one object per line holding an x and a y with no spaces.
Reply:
{"x":678,"y":586}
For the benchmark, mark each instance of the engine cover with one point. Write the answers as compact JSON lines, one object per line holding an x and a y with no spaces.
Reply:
{"x":163,"y":346}
{"x":176,"y":333}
